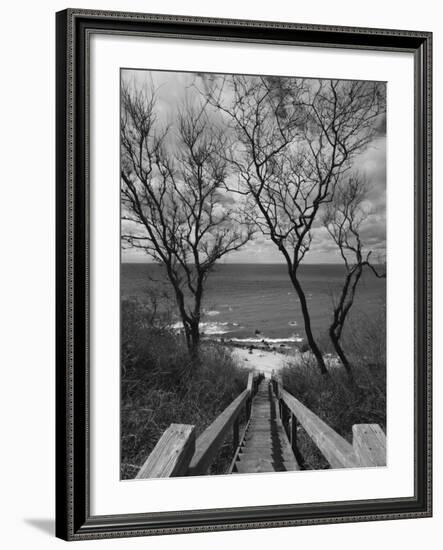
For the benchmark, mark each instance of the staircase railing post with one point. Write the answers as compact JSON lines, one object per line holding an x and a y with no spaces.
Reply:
{"x":280,"y":401}
{"x":250,"y":384}
{"x":369,"y":444}
{"x":172,"y":454}
{"x":236,"y":434}
{"x":293,"y":436}
{"x":286,"y":419}
{"x":252,"y":388}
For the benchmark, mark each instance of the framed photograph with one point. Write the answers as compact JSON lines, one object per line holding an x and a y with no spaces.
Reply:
{"x":243,"y":274}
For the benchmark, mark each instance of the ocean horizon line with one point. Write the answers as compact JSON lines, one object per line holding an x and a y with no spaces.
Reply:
{"x":239,"y":263}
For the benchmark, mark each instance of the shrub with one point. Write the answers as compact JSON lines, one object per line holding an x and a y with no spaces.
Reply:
{"x":161,"y":385}
{"x":336,"y":401}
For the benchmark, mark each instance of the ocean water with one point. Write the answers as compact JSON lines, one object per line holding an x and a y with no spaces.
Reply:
{"x":256,"y":301}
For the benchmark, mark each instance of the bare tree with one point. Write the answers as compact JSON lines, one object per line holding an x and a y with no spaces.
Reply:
{"x":174,"y":200}
{"x":343,"y":220}
{"x":295,"y":140}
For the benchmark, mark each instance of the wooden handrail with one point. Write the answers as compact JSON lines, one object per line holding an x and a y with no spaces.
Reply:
{"x":210,"y":441}
{"x":177,"y":452}
{"x":212,"y":438}
{"x":368,"y":445}
{"x":172,"y":454}
{"x":337,"y":451}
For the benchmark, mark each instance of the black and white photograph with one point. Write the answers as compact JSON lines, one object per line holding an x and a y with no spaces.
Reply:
{"x":253,"y":274}
{"x":218,"y":275}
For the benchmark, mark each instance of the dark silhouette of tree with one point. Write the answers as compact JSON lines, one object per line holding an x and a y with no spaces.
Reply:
{"x":343,"y":220}
{"x":174,"y":199}
{"x":295,"y":139}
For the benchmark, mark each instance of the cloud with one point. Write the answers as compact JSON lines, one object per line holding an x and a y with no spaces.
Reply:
{"x":173,"y":87}
{"x":372,"y":164}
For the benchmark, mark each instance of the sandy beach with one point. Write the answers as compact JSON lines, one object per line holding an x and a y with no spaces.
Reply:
{"x":261,"y":360}
{"x":267,"y":361}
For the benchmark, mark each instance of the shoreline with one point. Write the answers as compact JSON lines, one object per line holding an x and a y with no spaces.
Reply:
{"x":281,"y":345}
{"x":268,"y":360}
{"x":260,"y":360}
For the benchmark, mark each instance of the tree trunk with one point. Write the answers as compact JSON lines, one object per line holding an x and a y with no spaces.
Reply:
{"x":187,"y":335}
{"x":191,"y":324}
{"x":340,"y":314}
{"x":307,"y":322}
{"x":339,"y":350}
{"x":192,"y":334}
{"x":194,"y":339}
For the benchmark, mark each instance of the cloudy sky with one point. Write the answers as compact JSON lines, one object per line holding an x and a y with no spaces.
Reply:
{"x":171,"y":88}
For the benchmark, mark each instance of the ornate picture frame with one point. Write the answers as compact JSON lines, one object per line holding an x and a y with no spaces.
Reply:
{"x":75,"y":519}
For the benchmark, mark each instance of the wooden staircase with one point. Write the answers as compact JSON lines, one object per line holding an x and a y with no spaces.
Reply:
{"x":269,"y":418}
{"x":265,"y":446}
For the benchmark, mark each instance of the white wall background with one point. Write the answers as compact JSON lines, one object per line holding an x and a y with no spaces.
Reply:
{"x":27,"y":274}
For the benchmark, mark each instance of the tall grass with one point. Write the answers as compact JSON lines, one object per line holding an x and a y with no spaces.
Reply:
{"x":334,"y":399}
{"x":160,"y":384}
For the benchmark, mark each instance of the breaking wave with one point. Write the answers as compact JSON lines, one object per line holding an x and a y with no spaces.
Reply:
{"x":209,"y":329}
{"x":290,"y":339}
{"x":212,"y":313}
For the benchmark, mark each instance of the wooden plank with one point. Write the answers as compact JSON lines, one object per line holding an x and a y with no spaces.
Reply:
{"x":291,"y":464}
{"x":337,"y":451}
{"x":239,"y":450}
{"x":369,"y":443}
{"x":277,"y":384}
{"x":255,"y":466}
{"x":211,"y":439}
{"x":260,"y":426}
{"x":268,"y":454}
{"x":266,"y":447}
{"x":264,"y":465}
{"x":250,"y":381}
{"x":172,"y":454}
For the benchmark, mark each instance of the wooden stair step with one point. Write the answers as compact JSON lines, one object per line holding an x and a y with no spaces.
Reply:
{"x":282,"y":449}
{"x":259,"y":442}
{"x":261,"y":465}
{"x":262,"y":436}
{"x":265,"y":447}
{"x":257,"y":445}
{"x":262,"y":429}
{"x":269,"y":454}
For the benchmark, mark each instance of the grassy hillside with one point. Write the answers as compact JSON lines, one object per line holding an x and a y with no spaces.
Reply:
{"x":161,"y":385}
{"x":332,"y":398}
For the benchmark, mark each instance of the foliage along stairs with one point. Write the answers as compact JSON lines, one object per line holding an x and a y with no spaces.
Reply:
{"x":265,"y":446}
{"x":271,"y":413}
